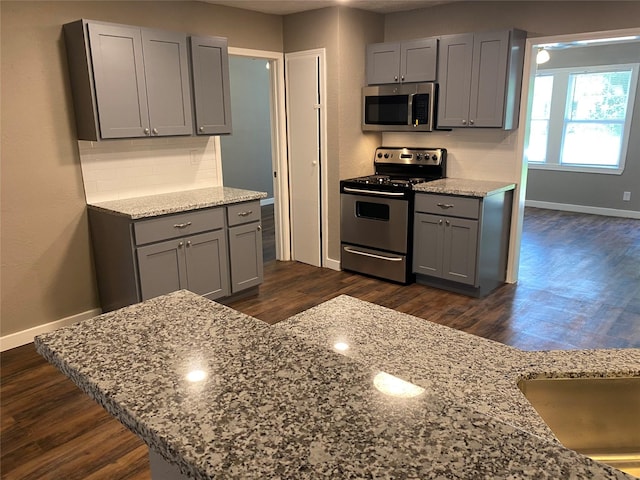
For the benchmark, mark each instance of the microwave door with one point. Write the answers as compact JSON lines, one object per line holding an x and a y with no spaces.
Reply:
{"x":421,"y":110}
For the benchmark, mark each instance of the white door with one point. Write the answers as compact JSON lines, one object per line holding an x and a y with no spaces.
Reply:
{"x":303,"y":122}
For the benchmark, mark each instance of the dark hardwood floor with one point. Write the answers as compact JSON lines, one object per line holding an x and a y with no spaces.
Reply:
{"x":579,"y":288}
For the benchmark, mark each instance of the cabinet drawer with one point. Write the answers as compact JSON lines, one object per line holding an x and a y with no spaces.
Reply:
{"x":180,"y":224}
{"x":243,"y":213}
{"x":449,"y":205}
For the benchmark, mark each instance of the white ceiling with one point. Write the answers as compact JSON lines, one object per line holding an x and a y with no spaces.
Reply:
{"x":285,"y":7}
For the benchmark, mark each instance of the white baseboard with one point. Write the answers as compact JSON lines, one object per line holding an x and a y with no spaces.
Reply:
{"x":266,"y":201}
{"x":332,"y":264}
{"x":567,"y":207}
{"x":26,"y":336}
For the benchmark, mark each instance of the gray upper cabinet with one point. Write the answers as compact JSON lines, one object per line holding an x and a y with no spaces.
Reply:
{"x":211,"y":92}
{"x":411,"y":61}
{"x":480,"y":78}
{"x":128,"y":81}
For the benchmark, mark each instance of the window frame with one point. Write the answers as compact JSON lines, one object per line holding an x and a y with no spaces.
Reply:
{"x":557,"y":118}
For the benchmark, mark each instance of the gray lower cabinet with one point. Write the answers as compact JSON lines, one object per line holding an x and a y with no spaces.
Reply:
{"x":480,"y":78}
{"x":211,"y":92}
{"x":197,"y":263}
{"x":214,"y":252}
{"x":245,"y":245}
{"x":128,"y":81}
{"x":455,"y":241}
{"x":410,"y":61}
{"x":461,"y":243}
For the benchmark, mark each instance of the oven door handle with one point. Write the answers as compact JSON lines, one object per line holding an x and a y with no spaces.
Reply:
{"x":373,"y":192}
{"x":373,"y":255}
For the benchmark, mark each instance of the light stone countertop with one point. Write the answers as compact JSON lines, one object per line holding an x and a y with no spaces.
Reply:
{"x":175,"y":202}
{"x":464,"y":187}
{"x":280,"y":402}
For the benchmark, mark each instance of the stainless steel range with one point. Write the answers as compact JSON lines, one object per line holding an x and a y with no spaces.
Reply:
{"x":376,"y":227}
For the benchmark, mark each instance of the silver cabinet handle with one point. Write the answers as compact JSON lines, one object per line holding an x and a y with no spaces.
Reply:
{"x":445,"y":205}
{"x":180,"y":244}
{"x":188,"y":243}
{"x":201,"y":129}
{"x":447,"y":222}
{"x":155,"y":131}
{"x":440,"y":222}
{"x":245,"y":214}
{"x":146,"y":131}
{"x":464,"y":122}
{"x":395,"y":78}
{"x":181,"y":225}
{"x":259,"y":227}
{"x":471,"y":122}
{"x":373,"y":255}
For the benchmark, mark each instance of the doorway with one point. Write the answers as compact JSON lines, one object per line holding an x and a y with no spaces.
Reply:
{"x":255,"y":156}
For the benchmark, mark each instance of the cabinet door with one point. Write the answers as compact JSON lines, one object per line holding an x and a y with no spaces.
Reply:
{"x":245,"y":253}
{"x":167,"y":78}
{"x":162,"y":268}
{"x":207,"y":270}
{"x":460,"y":250}
{"x":418,"y":60}
{"x":383,"y":63}
{"x":118,"y":70}
{"x":454,"y":79}
{"x":427,"y":245}
{"x":488,"y":80}
{"x":212,"y":96}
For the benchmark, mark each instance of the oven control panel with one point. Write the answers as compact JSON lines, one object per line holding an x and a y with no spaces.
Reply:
{"x":410,"y":156}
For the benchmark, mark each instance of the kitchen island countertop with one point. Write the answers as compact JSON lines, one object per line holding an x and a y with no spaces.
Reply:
{"x":287,"y":402}
{"x":464,"y":187}
{"x":165,"y":203}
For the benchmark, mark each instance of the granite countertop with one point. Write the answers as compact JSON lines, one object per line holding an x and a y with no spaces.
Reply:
{"x":286,"y":402}
{"x":175,"y":202}
{"x":464,"y":187}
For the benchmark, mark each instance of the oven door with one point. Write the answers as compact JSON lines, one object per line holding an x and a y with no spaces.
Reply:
{"x":369,"y":221}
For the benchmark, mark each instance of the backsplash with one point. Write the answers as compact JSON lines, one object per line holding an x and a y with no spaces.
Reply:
{"x":116,"y":169}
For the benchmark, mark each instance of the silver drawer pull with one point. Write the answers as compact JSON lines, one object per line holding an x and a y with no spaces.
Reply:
{"x":245,"y":214}
{"x":445,"y":205}
{"x":366,"y":254}
{"x":181,"y":225}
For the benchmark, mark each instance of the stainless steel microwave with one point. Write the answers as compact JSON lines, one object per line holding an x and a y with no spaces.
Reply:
{"x":408,"y":107}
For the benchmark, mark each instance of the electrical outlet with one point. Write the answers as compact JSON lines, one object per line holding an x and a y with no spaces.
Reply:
{"x":626,"y":196}
{"x":195,"y":157}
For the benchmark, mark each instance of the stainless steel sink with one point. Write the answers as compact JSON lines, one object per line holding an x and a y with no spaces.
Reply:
{"x":598,"y":417}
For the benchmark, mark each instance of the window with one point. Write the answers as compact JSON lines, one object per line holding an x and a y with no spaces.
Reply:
{"x":580,"y":118}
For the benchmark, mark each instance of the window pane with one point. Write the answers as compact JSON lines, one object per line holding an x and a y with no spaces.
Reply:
{"x":542,"y":88}
{"x":598,"y":96}
{"x":592,"y":144}
{"x":536,"y":150}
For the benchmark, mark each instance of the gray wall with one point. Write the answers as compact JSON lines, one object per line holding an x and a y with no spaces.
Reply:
{"x":246,"y":154}
{"x":591,"y":189}
{"x":47,"y":269}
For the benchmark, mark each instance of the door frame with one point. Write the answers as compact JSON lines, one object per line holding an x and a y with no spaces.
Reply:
{"x":513,"y":267}
{"x":279,"y":155}
{"x":325,"y":261}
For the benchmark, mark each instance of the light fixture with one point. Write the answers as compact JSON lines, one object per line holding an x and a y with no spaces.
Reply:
{"x":542,"y":56}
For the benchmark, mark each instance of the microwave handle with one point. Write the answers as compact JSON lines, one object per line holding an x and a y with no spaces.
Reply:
{"x":410,"y":111}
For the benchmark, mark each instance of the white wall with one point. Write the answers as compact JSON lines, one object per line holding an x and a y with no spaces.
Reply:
{"x":117,"y":169}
